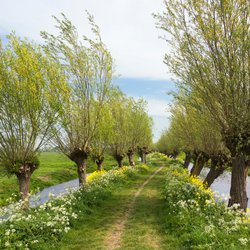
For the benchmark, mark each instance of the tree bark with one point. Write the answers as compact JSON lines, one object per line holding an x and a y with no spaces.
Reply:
{"x":99,"y":163}
{"x":80,"y":158}
{"x":142,"y":153}
{"x":130,"y":155}
{"x":175,"y":154}
{"x":143,"y":157}
{"x":81,"y":170}
{"x":119,"y":159}
{"x":199,"y":164}
{"x":215,"y":171}
{"x":23,"y":176}
{"x":187,"y":160}
{"x":238,"y":191}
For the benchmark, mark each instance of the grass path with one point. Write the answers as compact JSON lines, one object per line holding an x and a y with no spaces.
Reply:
{"x":113,"y":238}
{"x":145,"y":228}
{"x":132,"y":217}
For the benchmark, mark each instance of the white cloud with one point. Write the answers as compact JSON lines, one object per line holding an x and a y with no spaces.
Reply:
{"x":158,"y":108}
{"x":159,"y":111}
{"x":160,"y":124}
{"x":127,"y":27}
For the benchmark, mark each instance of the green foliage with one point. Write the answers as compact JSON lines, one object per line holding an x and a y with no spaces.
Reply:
{"x":140,"y":125}
{"x":89,"y":69}
{"x":31,"y":91}
{"x":120,"y":112}
{"x":191,"y":130}
{"x":210,"y":57}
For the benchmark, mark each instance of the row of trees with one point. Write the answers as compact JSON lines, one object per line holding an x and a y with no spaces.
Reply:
{"x":210,"y":57}
{"x":193,"y":132}
{"x":61,"y":93}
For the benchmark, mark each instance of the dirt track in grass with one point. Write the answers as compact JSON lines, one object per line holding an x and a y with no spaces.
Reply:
{"x":113,"y":239}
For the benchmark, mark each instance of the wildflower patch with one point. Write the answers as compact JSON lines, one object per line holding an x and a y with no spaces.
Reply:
{"x":50,"y":221}
{"x":199,"y":217}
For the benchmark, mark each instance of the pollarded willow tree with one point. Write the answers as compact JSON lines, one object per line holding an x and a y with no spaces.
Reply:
{"x":146,"y":137}
{"x":210,"y":43}
{"x":140,"y":128}
{"x":89,"y":67}
{"x":104,"y":134}
{"x":32,"y":87}
{"x":193,"y":131}
{"x":120,"y":143}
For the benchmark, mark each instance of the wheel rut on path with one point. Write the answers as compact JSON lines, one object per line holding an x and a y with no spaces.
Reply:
{"x":113,"y":239}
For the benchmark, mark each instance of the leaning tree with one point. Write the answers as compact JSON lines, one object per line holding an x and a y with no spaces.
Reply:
{"x":32,"y":87}
{"x":210,"y":43}
{"x":89,"y":67}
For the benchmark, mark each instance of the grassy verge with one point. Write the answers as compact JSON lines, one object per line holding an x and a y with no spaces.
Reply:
{"x":198,"y":218}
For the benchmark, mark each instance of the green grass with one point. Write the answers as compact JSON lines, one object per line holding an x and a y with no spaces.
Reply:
{"x":145,"y":226}
{"x":54,"y":168}
{"x":145,"y":229}
{"x":89,"y":231}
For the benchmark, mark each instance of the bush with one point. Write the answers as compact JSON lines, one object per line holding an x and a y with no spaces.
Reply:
{"x":200,"y":218}
{"x":142,"y":168}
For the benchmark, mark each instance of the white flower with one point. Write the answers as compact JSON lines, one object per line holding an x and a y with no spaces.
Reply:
{"x":243,"y":241}
{"x":7,"y":233}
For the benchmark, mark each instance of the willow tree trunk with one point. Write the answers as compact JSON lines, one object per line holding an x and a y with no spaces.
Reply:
{"x":187,"y":160}
{"x":81,"y":170}
{"x":130,"y":155}
{"x":80,"y":158}
{"x":99,"y":163}
{"x":119,"y":159}
{"x":175,"y":154}
{"x":238,"y":191}
{"x":143,"y":157}
{"x":199,"y":164}
{"x":23,"y":176}
{"x":142,"y":154}
{"x":214,"y":172}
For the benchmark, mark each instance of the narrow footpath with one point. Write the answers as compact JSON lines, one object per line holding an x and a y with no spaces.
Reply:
{"x":131,"y":218}
{"x":114,"y":236}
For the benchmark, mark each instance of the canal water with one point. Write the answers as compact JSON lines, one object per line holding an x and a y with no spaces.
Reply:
{"x":223,"y":182}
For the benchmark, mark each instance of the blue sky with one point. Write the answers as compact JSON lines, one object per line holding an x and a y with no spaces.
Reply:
{"x":128,"y":30}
